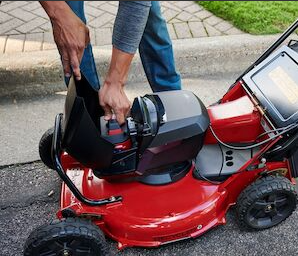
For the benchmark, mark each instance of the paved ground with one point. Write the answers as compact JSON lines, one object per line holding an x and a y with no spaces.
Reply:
{"x":24,"y":25}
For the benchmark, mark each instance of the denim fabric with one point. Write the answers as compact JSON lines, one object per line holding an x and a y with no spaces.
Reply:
{"x":157,"y":53}
{"x":155,"y":49}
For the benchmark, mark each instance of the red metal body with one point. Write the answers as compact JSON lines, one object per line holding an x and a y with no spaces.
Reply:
{"x":150,"y":216}
{"x":229,"y":120}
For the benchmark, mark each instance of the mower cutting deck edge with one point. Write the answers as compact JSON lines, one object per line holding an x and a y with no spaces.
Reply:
{"x":175,"y":168}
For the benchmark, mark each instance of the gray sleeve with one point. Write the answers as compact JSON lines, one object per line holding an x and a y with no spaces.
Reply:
{"x":129,"y":25}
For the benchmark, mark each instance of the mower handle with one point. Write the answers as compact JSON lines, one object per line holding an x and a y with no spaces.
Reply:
{"x":272,"y":48}
{"x":56,"y":152}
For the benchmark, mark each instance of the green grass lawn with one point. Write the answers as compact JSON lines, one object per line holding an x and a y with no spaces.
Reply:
{"x":255,"y":17}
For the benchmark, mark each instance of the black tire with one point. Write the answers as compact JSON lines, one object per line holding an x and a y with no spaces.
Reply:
{"x":266,"y":202}
{"x":45,"y":148}
{"x":71,"y":236}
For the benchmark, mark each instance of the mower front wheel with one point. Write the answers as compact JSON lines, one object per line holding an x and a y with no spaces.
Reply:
{"x":67,"y":237}
{"x":45,"y":148}
{"x":266,"y":202}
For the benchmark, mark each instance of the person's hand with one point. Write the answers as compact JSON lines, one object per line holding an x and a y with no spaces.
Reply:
{"x":112,"y":97}
{"x":114,"y":101}
{"x":70,"y":34}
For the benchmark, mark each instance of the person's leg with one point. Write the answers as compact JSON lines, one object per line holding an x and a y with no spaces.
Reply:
{"x":88,"y":67}
{"x":157,"y":53}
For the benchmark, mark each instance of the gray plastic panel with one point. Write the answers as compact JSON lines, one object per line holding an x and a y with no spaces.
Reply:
{"x":216,"y":160}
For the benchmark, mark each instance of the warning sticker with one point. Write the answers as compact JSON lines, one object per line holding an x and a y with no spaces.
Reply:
{"x":285,"y":83}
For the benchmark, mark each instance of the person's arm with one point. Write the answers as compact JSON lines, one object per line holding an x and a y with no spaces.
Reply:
{"x":112,"y":97}
{"x":70,"y":34}
{"x":128,"y":30}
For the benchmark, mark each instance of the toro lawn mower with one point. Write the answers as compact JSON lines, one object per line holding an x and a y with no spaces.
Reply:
{"x":176,"y":167}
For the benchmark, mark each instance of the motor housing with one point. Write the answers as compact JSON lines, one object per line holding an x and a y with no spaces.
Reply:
{"x":164,"y":129}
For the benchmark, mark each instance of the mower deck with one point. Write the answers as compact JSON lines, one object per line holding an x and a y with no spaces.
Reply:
{"x":149,"y":216}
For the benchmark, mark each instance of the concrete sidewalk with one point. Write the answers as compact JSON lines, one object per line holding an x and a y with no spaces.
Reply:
{"x":195,"y":57}
{"x":24,"y":25}
{"x":203,"y":44}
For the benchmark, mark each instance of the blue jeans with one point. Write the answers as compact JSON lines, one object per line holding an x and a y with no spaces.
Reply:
{"x":155,"y":49}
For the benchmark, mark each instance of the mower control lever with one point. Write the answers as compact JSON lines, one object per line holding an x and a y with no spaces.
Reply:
{"x":113,"y":124}
{"x":113,"y":127}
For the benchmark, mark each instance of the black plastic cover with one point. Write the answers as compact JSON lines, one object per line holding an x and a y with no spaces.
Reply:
{"x":81,"y":136}
{"x":182,"y":123}
{"x":185,"y":116}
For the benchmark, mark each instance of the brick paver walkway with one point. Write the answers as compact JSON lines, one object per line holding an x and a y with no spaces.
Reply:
{"x":24,"y":26}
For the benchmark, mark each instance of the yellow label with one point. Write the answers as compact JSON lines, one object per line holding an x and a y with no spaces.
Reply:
{"x":285,"y":83}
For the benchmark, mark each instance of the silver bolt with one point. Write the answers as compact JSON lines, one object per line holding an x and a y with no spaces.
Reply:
{"x":200,"y":227}
{"x":66,"y":253}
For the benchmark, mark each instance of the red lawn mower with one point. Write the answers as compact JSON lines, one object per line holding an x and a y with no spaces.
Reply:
{"x":176,"y":167}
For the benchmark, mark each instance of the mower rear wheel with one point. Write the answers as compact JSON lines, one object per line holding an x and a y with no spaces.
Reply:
{"x":66,"y":237}
{"x":45,"y":148}
{"x":266,"y":202}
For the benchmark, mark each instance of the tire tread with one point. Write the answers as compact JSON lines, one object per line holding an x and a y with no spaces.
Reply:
{"x":71,"y":226}
{"x":45,"y":146}
{"x":258,"y":189}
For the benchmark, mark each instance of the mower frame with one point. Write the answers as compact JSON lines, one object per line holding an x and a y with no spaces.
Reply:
{"x":56,"y":154}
